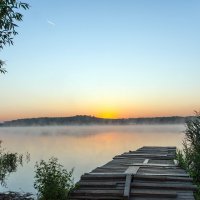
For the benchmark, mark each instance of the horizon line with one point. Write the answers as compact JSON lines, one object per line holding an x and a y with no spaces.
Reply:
{"x":96,"y":117}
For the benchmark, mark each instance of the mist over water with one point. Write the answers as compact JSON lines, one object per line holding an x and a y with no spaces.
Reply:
{"x":81,"y":147}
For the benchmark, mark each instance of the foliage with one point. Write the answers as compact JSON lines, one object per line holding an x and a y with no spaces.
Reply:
{"x":191,"y":147}
{"x":181,"y":159}
{"x":9,"y":15}
{"x":2,"y":70}
{"x":9,"y":163}
{"x":189,"y":158}
{"x":52,"y":181}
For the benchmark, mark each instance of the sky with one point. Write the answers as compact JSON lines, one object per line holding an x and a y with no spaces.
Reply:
{"x":105,"y":58}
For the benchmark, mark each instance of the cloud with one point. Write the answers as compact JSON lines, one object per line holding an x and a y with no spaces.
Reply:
{"x":51,"y":23}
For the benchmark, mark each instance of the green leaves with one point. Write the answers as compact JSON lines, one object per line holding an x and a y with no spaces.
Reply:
{"x":25,"y":6}
{"x":189,"y":158}
{"x":9,"y":163}
{"x":8,"y":22}
{"x":52,"y":181}
{"x":8,"y":18}
{"x":2,"y":70}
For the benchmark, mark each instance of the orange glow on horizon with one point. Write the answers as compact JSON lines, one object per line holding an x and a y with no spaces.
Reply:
{"x":106,"y":115}
{"x":101,"y":110}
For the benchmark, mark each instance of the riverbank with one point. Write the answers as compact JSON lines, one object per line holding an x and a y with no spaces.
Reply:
{"x":16,"y":196}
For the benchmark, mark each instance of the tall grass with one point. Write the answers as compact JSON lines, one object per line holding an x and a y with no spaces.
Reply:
{"x":189,"y":157}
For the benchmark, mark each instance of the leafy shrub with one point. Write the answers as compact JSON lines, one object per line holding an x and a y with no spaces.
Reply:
{"x":189,"y":158}
{"x":181,"y":159}
{"x":9,"y":16}
{"x":52,"y":181}
{"x":9,"y":163}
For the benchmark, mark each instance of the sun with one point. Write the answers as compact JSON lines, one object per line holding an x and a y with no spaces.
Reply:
{"x":107,"y":110}
{"x":109,"y":114}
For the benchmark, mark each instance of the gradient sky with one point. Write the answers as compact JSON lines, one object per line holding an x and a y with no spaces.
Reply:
{"x":108,"y":58}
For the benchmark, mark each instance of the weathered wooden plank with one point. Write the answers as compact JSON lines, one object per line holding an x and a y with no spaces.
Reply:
{"x":163,"y":161}
{"x":150,"y":164}
{"x":163,"y":185}
{"x":153,"y":198}
{"x":149,"y":173}
{"x":132,"y":170}
{"x":163,"y":174}
{"x":98,"y":184}
{"x":106,"y":173}
{"x":146,"y":161}
{"x":105,"y":177}
{"x":144,"y":154}
{"x":162,"y":178}
{"x":161,"y":170}
{"x":152,"y":157}
{"x":158,"y":147}
{"x":188,"y":195}
{"x":127,"y":186}
{"x":96,"y":192}
{"x":87,"y":197}
{"x":154,"y":193}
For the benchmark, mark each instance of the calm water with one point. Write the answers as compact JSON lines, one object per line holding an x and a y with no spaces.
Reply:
{"x":82,"y":147}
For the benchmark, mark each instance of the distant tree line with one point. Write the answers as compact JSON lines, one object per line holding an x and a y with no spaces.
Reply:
{"x":89,"y":120}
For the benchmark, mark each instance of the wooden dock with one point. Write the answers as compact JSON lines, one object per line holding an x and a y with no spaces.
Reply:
{"x":150,"y":173}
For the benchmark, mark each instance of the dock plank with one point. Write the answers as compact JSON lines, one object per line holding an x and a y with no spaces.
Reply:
{"x":149,"y":173}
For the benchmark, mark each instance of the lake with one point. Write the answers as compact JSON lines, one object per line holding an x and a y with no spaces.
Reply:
{"x":81,"y":147}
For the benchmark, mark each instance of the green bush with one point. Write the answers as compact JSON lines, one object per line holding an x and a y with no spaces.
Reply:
{"x":189,"y":158}
{"x":9,"y":163}
{"x":52,"y":181}
{"x":191,"y":147}
{"x":9,"y":16}
{"x":181,"y":159}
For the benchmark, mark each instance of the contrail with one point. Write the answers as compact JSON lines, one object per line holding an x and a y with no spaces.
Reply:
{"x":51,"y":23}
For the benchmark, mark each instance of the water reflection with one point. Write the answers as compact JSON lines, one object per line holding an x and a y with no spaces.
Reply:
{"x":82,"y":147}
